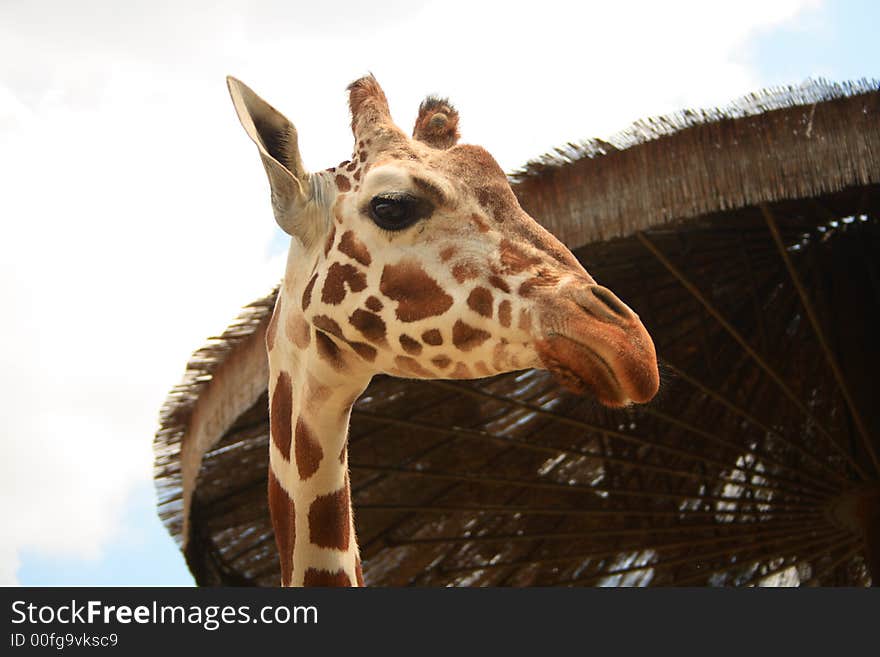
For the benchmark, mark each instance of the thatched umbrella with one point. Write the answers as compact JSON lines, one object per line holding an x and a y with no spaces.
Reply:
{"x":747,"y":239}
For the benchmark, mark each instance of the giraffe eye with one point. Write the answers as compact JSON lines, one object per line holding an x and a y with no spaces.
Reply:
{"x":395,"y":211}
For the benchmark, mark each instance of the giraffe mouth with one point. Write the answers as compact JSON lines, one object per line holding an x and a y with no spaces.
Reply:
{"x":581,"y":369}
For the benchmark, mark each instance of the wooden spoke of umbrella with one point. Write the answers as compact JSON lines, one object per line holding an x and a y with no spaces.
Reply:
{"x":588,"y":513}
{"x":834,"y":565}
{"x":771,"y":536}
{"x":820,"y":335}
{"x":366,"y":435}
{"x":751,"y":418}
{"x":748,"y":265}
{"x":452,"y":437}
{"x":421,"y":426}
{"x":763,"y":454}
{"x":631,"y":463}
{"x":534,"y":547}
{"x":468,"y":390}
{"x":732,"y":446}
{"x":445,"y":490}
{"x":800,"y":529}
{"x":613,"y":434}
{"x":269,"y":537}
{"x":434,"y":498}
{"x":363,"y":486}
{"x":440,"y":494}
{"x":786,"y":564}
{"x":568,"y":488}
{"x":515,"y":496}
{"x":695,"y":292}
{"x":730,"y":528}
{"x":830,"y":537}
{"x":783,"y":545}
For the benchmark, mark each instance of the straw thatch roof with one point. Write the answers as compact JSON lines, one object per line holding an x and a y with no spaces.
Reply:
{"x":747,"y":239}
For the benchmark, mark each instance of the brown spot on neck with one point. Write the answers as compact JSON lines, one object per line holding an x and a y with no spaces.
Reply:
{"x":467,"y":337}
{"x":329,"y":351}
{"x":307,"y":450}
{"x":351,"y":246}
{"x":461,"y":371}
{"x":272,"y":328}
{"x":307,"y":293}
{"x":325,"y":578}
{"x":298,"y":330}
{"x":372,"y":303}
{"x":342,"y":183}
{"x":283,"y":514}
{"x":316,"y":394}
{"x":329,"y":520}
{"x":418,"y":295}
{"x":441,"y":362}
{"x":329,"y":243}
{"x":280,"y":410}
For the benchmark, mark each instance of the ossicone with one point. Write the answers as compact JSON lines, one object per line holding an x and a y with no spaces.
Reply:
{"x":437,"y":123}
{"x":370,"y":116}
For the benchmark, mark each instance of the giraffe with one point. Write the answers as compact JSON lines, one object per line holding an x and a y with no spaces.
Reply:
{"x":413,"y":258}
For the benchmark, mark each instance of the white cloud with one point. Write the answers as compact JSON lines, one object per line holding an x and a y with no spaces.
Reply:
{"x":135,"y":213}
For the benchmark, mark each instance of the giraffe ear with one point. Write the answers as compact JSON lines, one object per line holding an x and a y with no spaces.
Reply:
{"x":294,"y":199}
{"x":437,"y":123}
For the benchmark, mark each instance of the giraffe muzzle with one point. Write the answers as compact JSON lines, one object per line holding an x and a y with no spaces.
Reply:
{"x":600,"y":348}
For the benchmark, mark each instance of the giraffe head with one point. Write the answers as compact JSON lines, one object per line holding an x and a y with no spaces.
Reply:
{"x":414,"y":258}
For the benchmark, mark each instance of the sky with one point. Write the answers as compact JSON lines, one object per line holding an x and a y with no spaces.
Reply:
{"x":135,"y":213}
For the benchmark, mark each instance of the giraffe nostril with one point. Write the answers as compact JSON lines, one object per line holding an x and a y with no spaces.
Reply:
{"x":611,"y":302}
{"x":601,"y":303}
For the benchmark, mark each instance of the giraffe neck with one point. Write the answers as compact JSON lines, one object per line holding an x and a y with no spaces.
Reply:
{"x":309,"y":493}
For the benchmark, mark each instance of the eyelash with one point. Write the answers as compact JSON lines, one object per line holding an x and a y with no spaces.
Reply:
{"x":396,"y":211}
